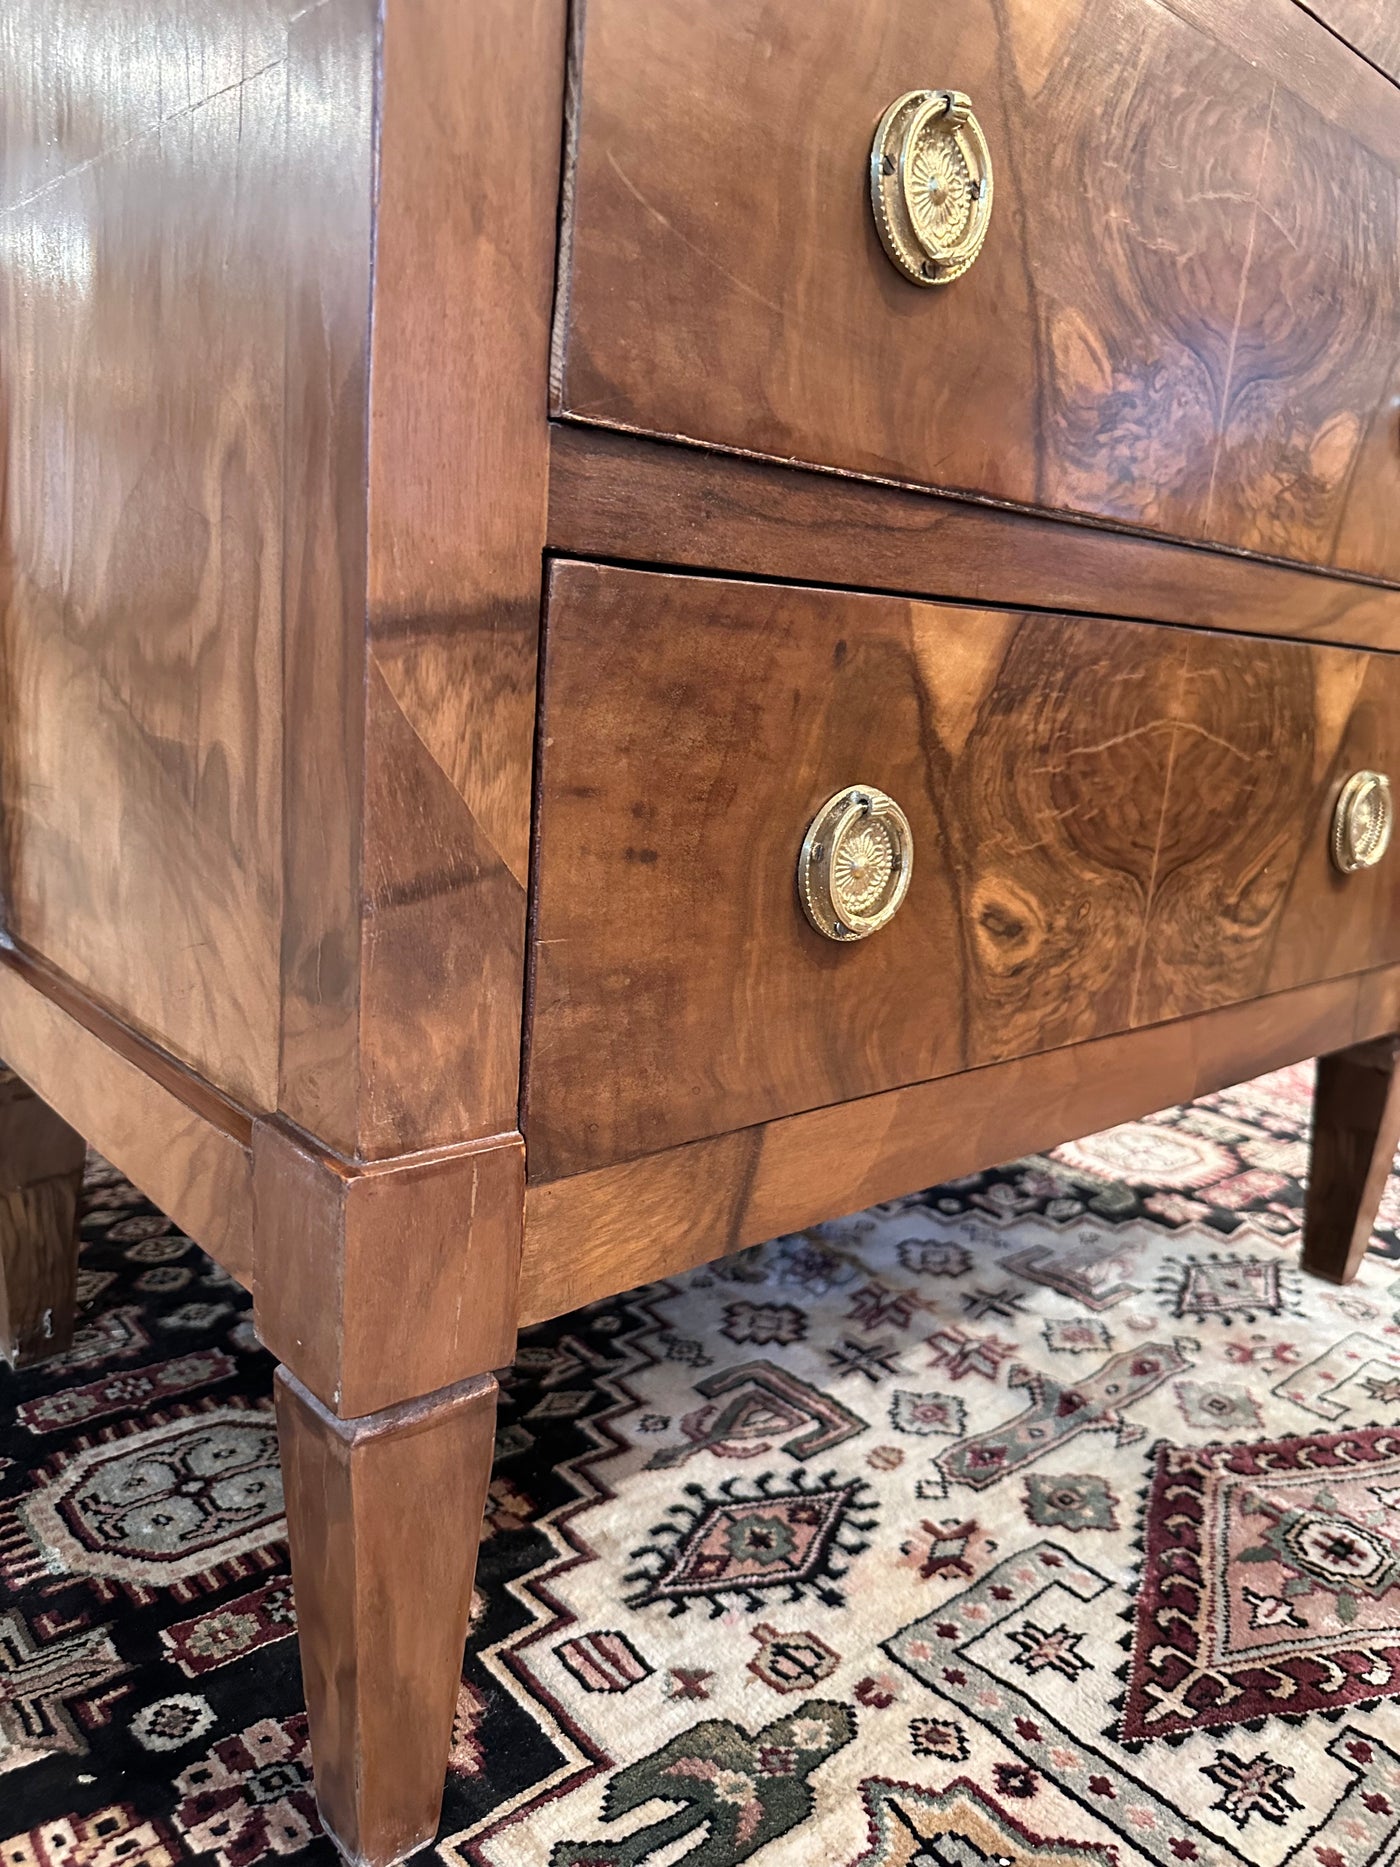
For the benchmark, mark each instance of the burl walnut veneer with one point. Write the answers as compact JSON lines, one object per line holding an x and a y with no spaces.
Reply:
{"x":626,"y":628}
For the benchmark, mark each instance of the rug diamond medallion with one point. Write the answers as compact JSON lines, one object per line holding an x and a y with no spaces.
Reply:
{"x":1271,"y":1583}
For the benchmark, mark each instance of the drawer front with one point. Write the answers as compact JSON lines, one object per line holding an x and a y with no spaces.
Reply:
{"x":1185,"y":315}
{"x":1112,"y":824}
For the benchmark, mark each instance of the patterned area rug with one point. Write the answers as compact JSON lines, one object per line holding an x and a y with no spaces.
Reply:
{"x":1048,"y":1517}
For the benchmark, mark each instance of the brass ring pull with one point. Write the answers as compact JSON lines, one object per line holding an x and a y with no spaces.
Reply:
{"x":1361,"y":823}
{"x":931,"y":185}
{"x":857,"y":858}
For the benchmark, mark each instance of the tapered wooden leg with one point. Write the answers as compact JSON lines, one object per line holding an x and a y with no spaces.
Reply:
{"x":41,"y":1177}
{"x":384,"y":1515}
{"x":1356,"y":1129}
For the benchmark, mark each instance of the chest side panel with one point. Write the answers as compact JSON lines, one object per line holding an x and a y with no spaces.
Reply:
{"x":141,"y":560}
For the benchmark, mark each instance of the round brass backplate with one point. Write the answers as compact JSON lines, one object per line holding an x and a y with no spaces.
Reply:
{"x":857,"y":858}
{"x":1362,"y":821}
{"x":931,"y":185}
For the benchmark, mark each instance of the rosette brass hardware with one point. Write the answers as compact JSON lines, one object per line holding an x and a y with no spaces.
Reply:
{"x":856,"y":861}
{"x":931,"y":185}
{"x":1361,"y":822}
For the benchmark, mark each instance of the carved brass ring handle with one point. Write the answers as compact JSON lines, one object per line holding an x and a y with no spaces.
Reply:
{"x":1361,"y":822}
{"x":931,"y":185}
{"x":856,"y":861}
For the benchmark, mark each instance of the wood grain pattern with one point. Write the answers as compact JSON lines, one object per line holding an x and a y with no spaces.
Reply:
{"x":41,"y":1177}
{"x":1356,"y":1131}
{"x":1113,"y":824}
{"x":1308,"y":457}
{"x":1371,"y":27}
{"x":1182,"y":320}
{"x":379,"y":1283}
{"x":597,"y":1233}
{"x":331,"y":84}
{"x":186,"y":1147}
{"x":383,"y":1516}
{"x":85,"y":77}
{"x":625,"y":497}
{"x":140,"y":525}
{"x":1246,"y":899}
{"x":148,"y":264}
{"x":416,"y":527}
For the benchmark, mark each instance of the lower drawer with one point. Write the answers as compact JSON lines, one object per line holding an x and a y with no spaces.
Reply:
{"x":1110,"y":824}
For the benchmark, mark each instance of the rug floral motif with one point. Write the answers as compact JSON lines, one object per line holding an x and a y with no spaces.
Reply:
{"x":1049,"y":1517}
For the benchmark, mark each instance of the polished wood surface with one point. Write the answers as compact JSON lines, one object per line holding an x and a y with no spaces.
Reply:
{"x":297,"y":430}
{"x":383,"y":1516}
{"x":643,"y":501}
{"x":141,"y":388}
{"x":1113,"y":824}
{"x":330,"y":233}
{"x":187,"y":1147}
{"x":1370,"y":27}
{"x":382,"y":1282}
{"x":1245,"y":897}
{"x":147,"y":352}
{"x":1356,"y":1131}
{"x":41,"y":1177}
{"x":608,"y":1230}
{"x":1184,"y":317}
{"x":418,"y":448}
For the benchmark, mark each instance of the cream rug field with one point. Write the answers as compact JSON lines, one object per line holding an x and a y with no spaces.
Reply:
{"x":1050,"y":1516}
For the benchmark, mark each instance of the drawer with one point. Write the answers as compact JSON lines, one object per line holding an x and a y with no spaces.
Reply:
{"x":1112,"y":824}
{"x":1185,"y":316}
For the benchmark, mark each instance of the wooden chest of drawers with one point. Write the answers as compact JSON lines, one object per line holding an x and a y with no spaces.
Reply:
{"x":623,"y":631}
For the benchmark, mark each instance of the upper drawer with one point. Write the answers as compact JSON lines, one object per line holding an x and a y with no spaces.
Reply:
{"x":1113,"y":824}
{"x":1185,"y":316}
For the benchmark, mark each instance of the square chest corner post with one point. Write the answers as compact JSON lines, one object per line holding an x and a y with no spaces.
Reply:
{"x":41,"y":1177}
{"x":1356,"y":1131}
{"x":422,"y":193}
{"x":388,"y":1295}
